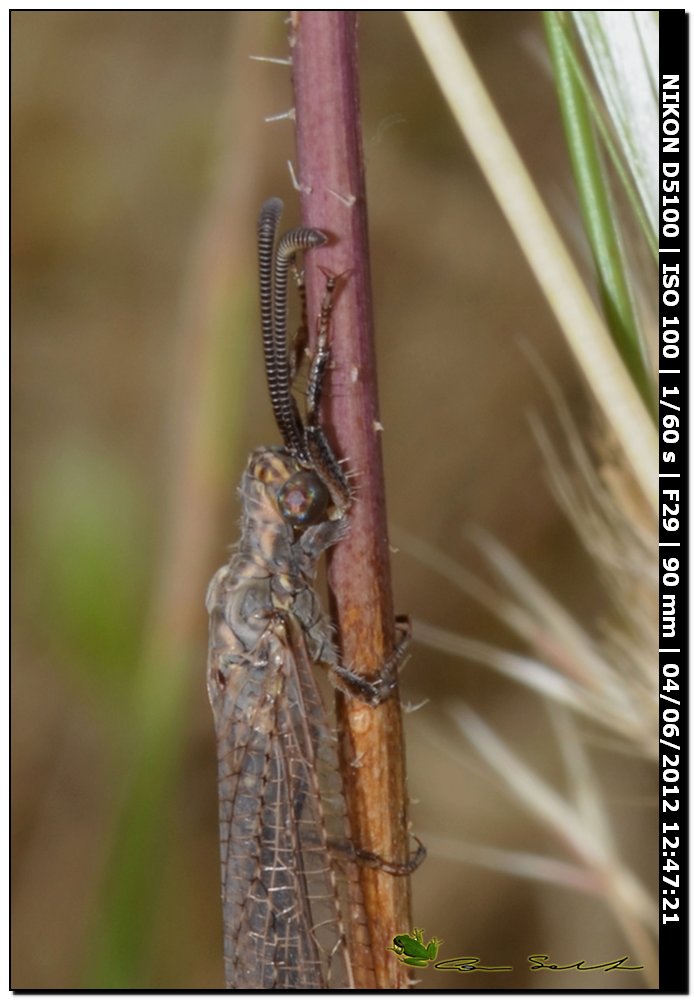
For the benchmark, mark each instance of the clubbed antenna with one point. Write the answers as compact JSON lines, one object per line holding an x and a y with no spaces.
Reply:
{"x":273,"y":268}
{"x":268,"y":220}
{"x":283,"y":403}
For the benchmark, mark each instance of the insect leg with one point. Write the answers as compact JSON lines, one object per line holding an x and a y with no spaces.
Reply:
{"x":321,"y":454}
{"x":300,"y":341}
{"x":373,"y":692}
{"x":372,"y":860}
{"x":321,"y":357}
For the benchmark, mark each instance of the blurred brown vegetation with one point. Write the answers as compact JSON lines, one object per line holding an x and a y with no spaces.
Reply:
{"x":139,"y":159}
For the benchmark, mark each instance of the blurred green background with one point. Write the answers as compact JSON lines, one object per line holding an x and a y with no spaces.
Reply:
{"x":140,"y":156}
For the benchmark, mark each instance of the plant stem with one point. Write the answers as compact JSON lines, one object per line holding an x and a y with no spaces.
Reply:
{"x":331,"y":177}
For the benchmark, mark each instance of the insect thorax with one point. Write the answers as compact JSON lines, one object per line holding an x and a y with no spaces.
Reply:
{"x":285,"y":527}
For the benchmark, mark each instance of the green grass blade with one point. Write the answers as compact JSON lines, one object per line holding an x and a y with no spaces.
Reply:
{"x":581,"y":322}
{"x":597,"y":207}
{"x":622,"y":47}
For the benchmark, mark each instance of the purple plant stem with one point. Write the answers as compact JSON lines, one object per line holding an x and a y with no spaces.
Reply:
{"x":330,"y":172}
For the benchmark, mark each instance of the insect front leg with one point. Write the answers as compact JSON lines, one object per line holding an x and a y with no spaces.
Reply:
{"x":320,"y":537}
{"x":317,"y":447}
{"x":299,"y":344}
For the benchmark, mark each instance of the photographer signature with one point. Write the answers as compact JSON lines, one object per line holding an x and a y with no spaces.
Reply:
{"x":411,"y":950}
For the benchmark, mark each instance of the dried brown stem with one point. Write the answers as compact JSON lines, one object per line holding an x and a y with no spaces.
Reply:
{"x":330,"y":173}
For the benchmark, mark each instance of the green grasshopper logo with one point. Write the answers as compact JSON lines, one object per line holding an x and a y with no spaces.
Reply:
{"x":411,"y":950}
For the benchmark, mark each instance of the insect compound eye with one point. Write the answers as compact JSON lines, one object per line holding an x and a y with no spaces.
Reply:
{"x":303,"y":500}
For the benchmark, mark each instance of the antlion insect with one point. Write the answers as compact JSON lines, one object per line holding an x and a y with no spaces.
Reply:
{"x":290,"y":885}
